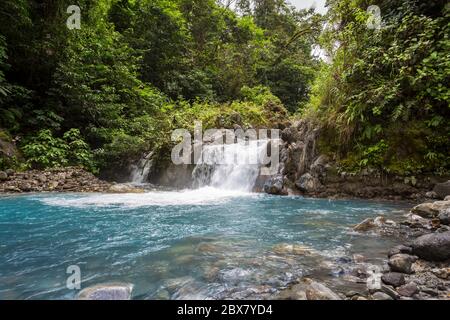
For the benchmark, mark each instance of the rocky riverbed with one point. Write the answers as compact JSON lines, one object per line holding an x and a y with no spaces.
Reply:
{"x":59,"y":180}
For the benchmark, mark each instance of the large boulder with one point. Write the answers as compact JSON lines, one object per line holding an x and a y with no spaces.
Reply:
{"x":442,"y":189}
{"x":275,"y":186}
{"x":431,"y":210}
{"x":317,"y":291}
{"x":401,"y":263}
{"x":408,"y":290}
{"x":308,"y":183}
{"x":433,"y":247}
{"x":111,"y":291}
{"x":394,"y":279}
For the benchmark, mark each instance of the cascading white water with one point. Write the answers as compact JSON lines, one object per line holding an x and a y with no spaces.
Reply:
{"x":140,"y":171}
{"x":231,"y":166}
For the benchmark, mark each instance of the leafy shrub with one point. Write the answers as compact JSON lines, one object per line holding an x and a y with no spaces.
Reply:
{"x":46,"y":151}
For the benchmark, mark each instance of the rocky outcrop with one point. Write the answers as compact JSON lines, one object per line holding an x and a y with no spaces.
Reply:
{"x":70,"y":179}
{"x":307,"y":172}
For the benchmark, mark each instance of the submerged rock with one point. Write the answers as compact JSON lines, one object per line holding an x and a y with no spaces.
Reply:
{"x":433,"y":247}
{"x":294,"y":249}
{"x":364,"y":226}
{"x":111,"y":291}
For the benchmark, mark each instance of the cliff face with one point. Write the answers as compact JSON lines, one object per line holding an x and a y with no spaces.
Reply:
{"x":305,"y":171}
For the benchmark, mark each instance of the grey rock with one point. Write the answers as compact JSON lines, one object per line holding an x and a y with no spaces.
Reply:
{"x":442,"y":189}
{"x":3,"y":176}
{"x":400,"y":249}
{"x":431,"y":195}
{"x":318,"y":291}
{"x":381,"y":296}
{"x":275,"y":186}
{"x":10,"y":172}
{"x":308,"y":183}
{"x":111,"y":291}
{"x":433,"y":247}
{"x":408,"y":290}
{"x":401,"y":263}
{"x":425,"y":210}
{"x":444,"y":217}
{"x":394,"y":279}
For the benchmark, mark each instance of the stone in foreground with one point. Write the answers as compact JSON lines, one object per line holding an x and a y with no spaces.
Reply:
{"x":111,"y":291}
{"x":433,"y":247}
{"x":394,"y":279}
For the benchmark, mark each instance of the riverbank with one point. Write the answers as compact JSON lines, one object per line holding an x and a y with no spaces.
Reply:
{"x":71,"y":179}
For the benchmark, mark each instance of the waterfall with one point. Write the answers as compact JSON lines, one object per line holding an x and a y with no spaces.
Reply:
{"x":140,"y":171}
{"x":231,"y":166}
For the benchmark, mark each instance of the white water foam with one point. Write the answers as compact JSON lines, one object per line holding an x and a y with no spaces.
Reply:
{"x":203,"y":196}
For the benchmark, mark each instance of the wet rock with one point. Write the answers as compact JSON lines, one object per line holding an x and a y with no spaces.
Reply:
{"x":275,"y":186}
{"x":295,"y":292}
{"x":290,"y":135}
{"x":433,"y":247}
{"x":408,"y":290}
{"x":442,"y":189}
{"x":390,"y":291}
{"x":317,"y":291}
{"x":364,"y":226}
{"x":401,"y":263}
{"x":394,"y":279}
{"x":400,"y":249}
{"x":125,"y":188}
{"x":431,"y":195}
{"x":112,"y":291}
{"x":381,"y":296}
{"x":308,"y":183}
{"x":425,"y":210}
{"x":444,"y":217}
{"x":3,"y":176}
{"x":442,"y":273}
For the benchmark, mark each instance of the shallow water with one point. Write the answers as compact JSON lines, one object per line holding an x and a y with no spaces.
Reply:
{"x":202,"y":244}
